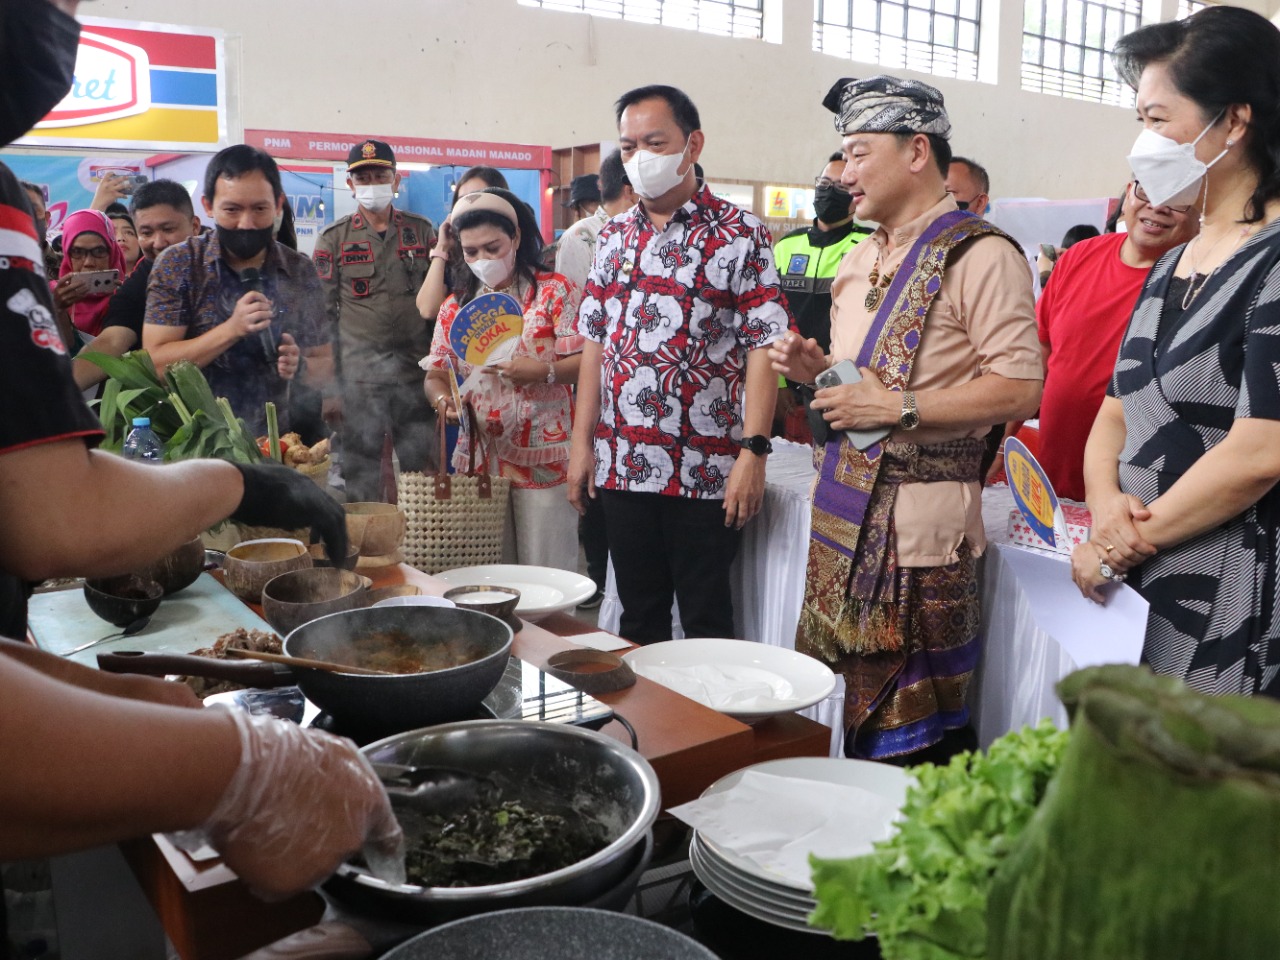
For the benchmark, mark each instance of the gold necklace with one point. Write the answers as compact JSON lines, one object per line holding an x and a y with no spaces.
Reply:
{"x":879,"y":285}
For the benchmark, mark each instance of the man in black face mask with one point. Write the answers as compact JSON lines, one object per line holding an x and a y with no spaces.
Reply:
{"x":240,"y":304}
{"x":807,"y":260}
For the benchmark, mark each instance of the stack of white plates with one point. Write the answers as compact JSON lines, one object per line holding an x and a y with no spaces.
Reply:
{"x":760,"y":893}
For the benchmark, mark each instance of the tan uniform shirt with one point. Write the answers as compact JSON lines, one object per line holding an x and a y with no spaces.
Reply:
{"x":370,"y":284}
{"x":982,"y":321}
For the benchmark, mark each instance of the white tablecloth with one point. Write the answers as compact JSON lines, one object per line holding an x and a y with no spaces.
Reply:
{"x":1036,"y":626}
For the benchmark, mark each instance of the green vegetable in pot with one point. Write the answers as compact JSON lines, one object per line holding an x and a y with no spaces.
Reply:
{"x":1160,"y":835}
{"x":923,"y":892}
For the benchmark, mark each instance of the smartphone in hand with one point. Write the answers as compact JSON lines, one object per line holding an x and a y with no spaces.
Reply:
{"x":98,"y":282}
{"x":846,"y":371}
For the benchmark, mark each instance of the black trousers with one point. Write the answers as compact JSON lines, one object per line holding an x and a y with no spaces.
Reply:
{"x":594,"y":538}
{"x":670,"y":546}
{"x":371,"y":411}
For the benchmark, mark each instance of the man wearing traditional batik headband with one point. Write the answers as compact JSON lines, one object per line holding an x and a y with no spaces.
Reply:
{"x":935,"y":309}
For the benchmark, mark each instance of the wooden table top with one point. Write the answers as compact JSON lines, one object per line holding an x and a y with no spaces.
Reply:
{"x":209,"y":915}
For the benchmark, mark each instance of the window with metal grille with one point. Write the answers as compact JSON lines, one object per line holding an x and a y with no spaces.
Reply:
{"x":927,"y":36}
{"x":1067,"y":44}
{"x":1187,"y":7}
{"x":730,"y":18}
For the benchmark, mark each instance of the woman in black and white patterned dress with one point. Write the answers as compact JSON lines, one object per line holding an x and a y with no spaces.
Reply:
{"x":1184,"y":455}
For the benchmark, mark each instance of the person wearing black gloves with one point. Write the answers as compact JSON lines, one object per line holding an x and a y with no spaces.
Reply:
{"x":282,"y":804}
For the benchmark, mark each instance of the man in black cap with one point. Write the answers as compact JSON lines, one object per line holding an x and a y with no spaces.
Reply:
{"x":584,"y":196}
{"x":935,"y":313}
{"x":371,"y":265}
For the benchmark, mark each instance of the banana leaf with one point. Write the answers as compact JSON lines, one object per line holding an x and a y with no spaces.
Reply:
{"x":1159,"y":837}
{"x":187,"y":380}
{"x":109,"y":415}
{"x":134,"y":369}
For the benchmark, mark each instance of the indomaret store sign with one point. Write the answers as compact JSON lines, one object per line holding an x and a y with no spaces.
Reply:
{"x":141,"y":86}
{"x":295,"y":145}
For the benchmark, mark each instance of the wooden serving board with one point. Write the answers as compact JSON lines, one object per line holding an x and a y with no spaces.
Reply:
{"x":61,"y":620}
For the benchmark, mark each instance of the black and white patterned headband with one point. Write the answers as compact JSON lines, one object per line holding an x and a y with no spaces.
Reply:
{"x":886,"y":104}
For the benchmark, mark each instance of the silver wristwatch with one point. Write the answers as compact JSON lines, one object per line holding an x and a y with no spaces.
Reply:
{"x":909,"y":419}
{"x":1107,"y":572}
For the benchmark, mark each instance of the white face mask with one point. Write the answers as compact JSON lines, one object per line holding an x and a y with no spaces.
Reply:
{"x":653,"y":174}
{"x":1169,"y":171}
{"x":492,"y":273}
{"x":375,"y":196}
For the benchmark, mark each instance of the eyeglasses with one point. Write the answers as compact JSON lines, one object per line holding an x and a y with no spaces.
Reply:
{"x":1141,"y":194}
{"x":97,"y":253}
{"x":835,"y":185}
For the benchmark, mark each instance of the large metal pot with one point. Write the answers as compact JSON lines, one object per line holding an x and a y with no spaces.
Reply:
{"x":591,"y":774}
{"x":412,"y":700}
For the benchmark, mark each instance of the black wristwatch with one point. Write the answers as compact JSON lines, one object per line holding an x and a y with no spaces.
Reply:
{"x":759,"y":445}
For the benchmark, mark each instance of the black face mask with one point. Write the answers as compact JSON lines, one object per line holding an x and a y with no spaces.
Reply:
{"x":245,"y":244}
{"x":962,"y":204}
{"x":38,"y":49}
{"x":830,"y":205}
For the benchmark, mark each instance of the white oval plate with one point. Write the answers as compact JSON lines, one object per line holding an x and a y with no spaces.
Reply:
{"x":543,"y":590}
{"x":809,"y":680}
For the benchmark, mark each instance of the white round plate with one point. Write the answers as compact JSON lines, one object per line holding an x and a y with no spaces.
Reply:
{"x":882,"y":779}
{"x":781,"y":904}
{"x":777,"y":893}
{"x":811,"y":680}
{"x":751,"y":908}
{"x":543,"y":590}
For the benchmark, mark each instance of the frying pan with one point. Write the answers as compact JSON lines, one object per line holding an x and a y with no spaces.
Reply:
{"x":366,"y":702}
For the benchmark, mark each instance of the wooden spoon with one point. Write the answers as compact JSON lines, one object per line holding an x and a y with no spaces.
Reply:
{"x":305,"y":663}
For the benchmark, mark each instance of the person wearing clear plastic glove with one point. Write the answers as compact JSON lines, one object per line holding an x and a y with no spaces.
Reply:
{"x":89,"y":759}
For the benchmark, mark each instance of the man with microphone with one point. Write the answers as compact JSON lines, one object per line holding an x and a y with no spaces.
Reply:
{"x":241,"y":305}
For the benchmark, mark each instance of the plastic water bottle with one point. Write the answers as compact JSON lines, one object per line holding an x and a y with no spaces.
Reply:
{"x":142,"y":444}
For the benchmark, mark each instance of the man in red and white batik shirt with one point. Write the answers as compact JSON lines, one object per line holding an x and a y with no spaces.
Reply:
{"x":675,"y":396}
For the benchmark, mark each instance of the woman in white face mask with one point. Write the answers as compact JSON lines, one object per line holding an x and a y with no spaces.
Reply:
{"x":522,"y":404}
{"x":1182,"y":461}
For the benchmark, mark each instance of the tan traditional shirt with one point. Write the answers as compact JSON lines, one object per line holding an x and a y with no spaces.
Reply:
{"x":982,"y":321}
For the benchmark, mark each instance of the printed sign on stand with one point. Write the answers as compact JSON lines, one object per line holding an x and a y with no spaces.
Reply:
{"x":1034,"y":495}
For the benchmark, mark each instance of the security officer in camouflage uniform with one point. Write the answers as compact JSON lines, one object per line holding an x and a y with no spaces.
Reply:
{"x":371,"y":265}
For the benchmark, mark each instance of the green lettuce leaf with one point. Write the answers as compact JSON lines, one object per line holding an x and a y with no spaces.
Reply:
{"x":923,"y":892}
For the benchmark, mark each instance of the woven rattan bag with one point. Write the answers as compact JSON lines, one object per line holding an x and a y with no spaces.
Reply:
{"x":453,"y":520}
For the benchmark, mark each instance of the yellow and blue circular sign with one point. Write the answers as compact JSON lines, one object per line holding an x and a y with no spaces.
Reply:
{"x":483,"y":325}
{"x":1032,"y":491}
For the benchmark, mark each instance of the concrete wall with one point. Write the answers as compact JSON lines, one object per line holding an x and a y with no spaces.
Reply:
{"x":495,"y":70}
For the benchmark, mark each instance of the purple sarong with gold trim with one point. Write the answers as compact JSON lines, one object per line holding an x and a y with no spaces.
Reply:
{"x":906,"y":640}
